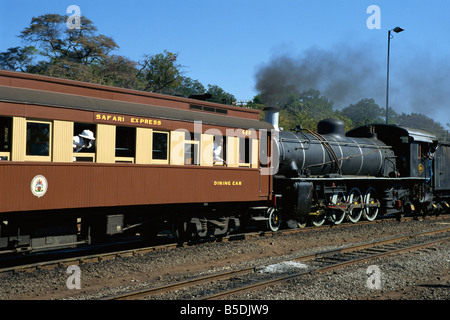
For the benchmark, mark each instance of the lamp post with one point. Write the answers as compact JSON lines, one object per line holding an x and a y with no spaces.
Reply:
{"x":396,"y":30}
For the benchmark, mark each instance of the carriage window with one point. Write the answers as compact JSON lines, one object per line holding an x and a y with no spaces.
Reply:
{"x":84,"y":142}
{"x":38,"y":138}
{"x":5,"y":138}
{"x":84,"y":137}
{"x":219,"y":150}
{"x":244,"y":151}
{"x":191,"y":153}
{"x":125,"y":144}
{"x":159,"y":150}
{"x":192,"y":148}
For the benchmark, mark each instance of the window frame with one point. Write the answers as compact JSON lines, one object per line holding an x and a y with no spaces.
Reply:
{"x":161,"y":161}
{"x":123,"y":158}
{"x":43,"y":158}
{"x":6,"y":152}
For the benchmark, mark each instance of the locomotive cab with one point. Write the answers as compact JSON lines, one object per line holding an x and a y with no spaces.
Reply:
{"x":414,"y":148}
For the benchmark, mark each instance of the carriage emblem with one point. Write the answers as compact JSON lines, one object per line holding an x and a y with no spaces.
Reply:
{"x":420,"y":168}
{"x":39,"y":186}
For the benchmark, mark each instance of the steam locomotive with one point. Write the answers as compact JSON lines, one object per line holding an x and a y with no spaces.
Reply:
{"x":372,"y":170}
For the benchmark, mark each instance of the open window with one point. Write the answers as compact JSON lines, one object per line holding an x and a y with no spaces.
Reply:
{"x":244,"y":152}
{"x":248,"y":152}
{"x":5,"y":138}
{"x":220,"y":150}
{"x":192,"y":149}
{"x":125,"y":144}
{"x":84,"y":142}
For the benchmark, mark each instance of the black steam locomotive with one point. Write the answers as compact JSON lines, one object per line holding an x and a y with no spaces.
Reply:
{"x":369,"y":171}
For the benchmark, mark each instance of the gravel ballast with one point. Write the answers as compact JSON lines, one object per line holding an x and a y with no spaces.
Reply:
{"x":420,"y":275}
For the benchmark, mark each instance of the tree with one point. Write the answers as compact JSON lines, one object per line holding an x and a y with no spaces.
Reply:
{"x":364,"y":112}
{"x":189,"y":87}
{"x":219,"y":95}
{"x":422,"y":122}
{"x":57,"y":42}
{"x":160,"y":73}
{"x":117,"y":71}
{"x":83,"y":54}
{"x":17,"y":58}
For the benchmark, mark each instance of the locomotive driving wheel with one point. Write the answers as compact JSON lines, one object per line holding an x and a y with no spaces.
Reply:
{"x":336,"y":215}
{"x":274,"y":221}
{"x":318,"y":218}
{"x":370,"y":212}
{"x":355,"y":201}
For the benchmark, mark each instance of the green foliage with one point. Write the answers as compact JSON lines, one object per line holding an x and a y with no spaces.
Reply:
{"x":422,"y":122}
{"x":309,"y":107}
{"x":160,"y":73}
{"x":85,"y":55}
{"x":219,"y":95}
{"x":364,"y":112}
{"x":17,"y":58}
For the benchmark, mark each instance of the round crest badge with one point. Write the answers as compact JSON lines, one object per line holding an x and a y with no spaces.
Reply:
{"x":39,"y":186}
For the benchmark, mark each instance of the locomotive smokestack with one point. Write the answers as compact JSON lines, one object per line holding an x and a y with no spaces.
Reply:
{"x":272,"y":116}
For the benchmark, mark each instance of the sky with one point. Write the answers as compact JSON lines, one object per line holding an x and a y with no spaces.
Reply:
{"x":227,"y":42}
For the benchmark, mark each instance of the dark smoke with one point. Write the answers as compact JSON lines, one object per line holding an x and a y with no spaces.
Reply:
{"x":346,"y":75}
{"x":425,"y":86}
{"x":343,"y":75}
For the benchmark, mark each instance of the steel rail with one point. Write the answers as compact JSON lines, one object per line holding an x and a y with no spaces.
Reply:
{"x":81,"y":259}
{"x":333,"y":266}
{"x":229,"y":274}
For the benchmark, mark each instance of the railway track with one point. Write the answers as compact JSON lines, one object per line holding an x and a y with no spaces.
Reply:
{"x":322,"y":262}
{"x":83,"y":255}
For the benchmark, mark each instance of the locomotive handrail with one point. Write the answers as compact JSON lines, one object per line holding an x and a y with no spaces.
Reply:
{"x":328,"y":146}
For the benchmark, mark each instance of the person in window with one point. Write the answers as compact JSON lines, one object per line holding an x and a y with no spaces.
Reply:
{"x":83,"y":141}
{"x":217,"y":151}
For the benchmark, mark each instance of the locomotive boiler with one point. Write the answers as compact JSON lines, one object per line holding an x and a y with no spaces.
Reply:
{"x":329,"y":151}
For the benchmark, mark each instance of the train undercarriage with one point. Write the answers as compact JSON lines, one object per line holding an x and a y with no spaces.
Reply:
{"x":62,"y":229}
{"x":315,"y":201}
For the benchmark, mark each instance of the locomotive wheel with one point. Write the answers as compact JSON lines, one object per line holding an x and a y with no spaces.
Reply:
{"x":301,"y":223}
{"x":370,"y":213}
{"x":273,"y":222}
{"x":337,"y":215}
{"x":354,"y":197}
{"x":318,"y":219}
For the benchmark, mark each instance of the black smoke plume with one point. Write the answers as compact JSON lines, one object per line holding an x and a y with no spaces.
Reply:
{"x":343,"y":75}
{"x":418,"y":83}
